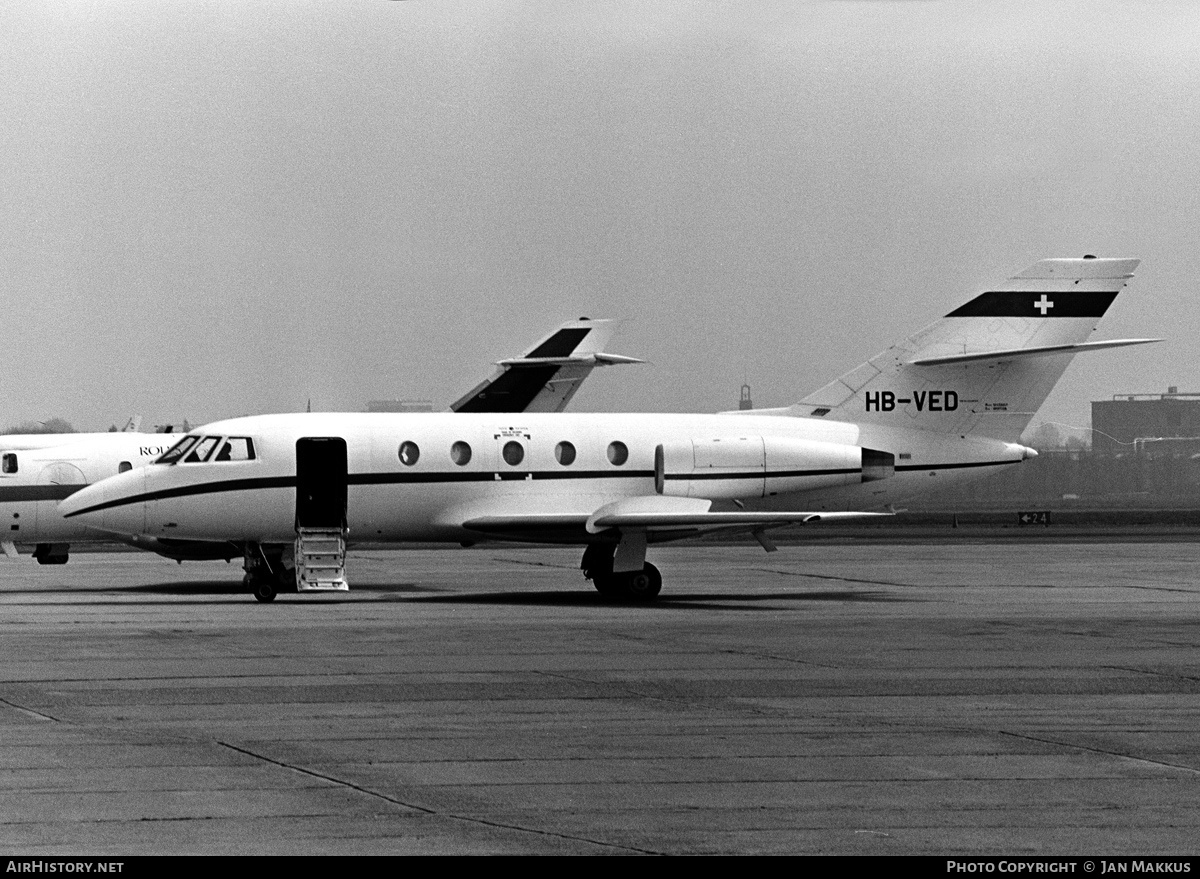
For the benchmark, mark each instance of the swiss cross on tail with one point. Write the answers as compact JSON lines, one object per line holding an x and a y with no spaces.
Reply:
{"x":1026,"y":303}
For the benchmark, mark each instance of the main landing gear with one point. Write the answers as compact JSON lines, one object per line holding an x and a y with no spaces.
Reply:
{"x":267,"y":573}
{"x":597,"y":565}
{"x":51,"y":553}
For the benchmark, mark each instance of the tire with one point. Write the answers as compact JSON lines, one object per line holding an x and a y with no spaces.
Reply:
{"x":644,"y":585}
{"x":264,"y":590}
{"x":608,"y":586}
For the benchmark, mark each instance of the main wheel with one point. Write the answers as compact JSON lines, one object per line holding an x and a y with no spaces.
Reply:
{"x":598,"y":561}
{"x":264,"y":590}
{"x":609,"y":585}
{"x":645,"y":584}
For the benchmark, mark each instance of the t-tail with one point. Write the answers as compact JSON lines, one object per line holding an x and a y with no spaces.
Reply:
{"x":986,"y":367}
{"x":546,"y":377}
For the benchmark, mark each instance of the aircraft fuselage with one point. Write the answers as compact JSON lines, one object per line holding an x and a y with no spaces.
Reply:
{"x":424,"y":477}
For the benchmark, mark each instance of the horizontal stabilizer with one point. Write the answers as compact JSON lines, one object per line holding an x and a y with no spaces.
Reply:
{"x":1042,"y":351}
{"x":597,"y":359}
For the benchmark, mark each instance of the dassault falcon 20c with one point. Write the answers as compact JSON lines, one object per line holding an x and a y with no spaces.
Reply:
{"x":949,"y":402}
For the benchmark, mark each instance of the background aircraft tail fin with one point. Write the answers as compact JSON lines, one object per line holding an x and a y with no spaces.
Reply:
{"x":987,"y":366}
{"x":547,"y":375}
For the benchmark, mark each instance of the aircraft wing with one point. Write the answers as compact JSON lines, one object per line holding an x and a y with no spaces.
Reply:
{"x":658,"y":512}
{"x":546,"y":377}
{"x":651,"y":514}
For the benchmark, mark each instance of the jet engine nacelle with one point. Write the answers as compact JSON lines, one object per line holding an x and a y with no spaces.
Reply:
{"x":756,"y":466}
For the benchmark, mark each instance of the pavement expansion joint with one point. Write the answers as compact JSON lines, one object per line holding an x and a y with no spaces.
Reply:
{"x":37,"y":715}
{"x":534,"y":564}
{"x":791,"y":660}
{"x":1164,"y":589}
{"x":312,"y":773}
{"x":1159,"y":763}
{"x":447,"y":815}
{"x":838,"y":579}
{"x":1153,"y":673}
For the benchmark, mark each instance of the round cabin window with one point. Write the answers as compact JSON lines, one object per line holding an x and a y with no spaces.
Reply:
{"x":564,"y":453}
{"x":460,"y":453}
{"x":514,"y":453}
{"x":409,"y":453}
{"x":618,"y":453}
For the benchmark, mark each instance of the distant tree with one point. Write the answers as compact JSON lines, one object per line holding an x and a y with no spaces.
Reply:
{"x":1047,"y":436}
{"x":59,"y":425}
{"x":53,"y":425}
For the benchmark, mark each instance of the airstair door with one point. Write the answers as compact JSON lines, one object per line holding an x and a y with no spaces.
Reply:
{"x":321,"y":497}
{"x":320,"y":482}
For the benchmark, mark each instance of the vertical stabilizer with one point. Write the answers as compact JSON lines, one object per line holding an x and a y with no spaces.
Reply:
{"x":987,"y":366}
{"x":546,"y":377}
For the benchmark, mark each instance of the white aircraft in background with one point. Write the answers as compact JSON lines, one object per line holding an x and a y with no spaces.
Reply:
{"x":34,"y":477}
{"x":39,"y":470}
{"x":945,"y":404}
{"x":20,"y":441}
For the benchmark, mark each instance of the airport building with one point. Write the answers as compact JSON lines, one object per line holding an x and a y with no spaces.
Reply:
{"x":1147,"y":424}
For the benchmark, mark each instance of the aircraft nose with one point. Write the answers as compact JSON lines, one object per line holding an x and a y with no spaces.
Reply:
{"x":114,"y":504}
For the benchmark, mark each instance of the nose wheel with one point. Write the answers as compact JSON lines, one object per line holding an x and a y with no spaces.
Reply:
{"x":264,"y":590}
{"x":267,"y":574}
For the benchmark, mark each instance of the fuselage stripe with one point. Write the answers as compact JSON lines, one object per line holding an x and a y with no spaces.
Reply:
{"x":18,"y":493}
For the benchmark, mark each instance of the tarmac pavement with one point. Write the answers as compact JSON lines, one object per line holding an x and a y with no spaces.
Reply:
{"x":974,"y":698}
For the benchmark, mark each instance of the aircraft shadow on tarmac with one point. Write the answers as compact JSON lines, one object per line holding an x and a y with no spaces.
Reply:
{"x":413,"y":593}
{"x":671,"y":601}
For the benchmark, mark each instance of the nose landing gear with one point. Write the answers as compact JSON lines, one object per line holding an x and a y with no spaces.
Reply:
{"x":267,"y":572}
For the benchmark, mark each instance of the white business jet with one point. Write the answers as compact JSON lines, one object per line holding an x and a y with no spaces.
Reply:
{"x":947,"y":403}
{"x":39,"y":470}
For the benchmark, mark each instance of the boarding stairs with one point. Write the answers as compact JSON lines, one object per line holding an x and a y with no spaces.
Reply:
{"x":321,"y":560}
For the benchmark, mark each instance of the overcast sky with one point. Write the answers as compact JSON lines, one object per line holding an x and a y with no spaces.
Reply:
{"x":214,"y":209}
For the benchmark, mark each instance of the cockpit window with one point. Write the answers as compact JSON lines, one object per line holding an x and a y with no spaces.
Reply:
{"x":202,"y":450}
{"x":236,"y":448}
{"x":173,"y":454}
{"x":194,"y":450}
